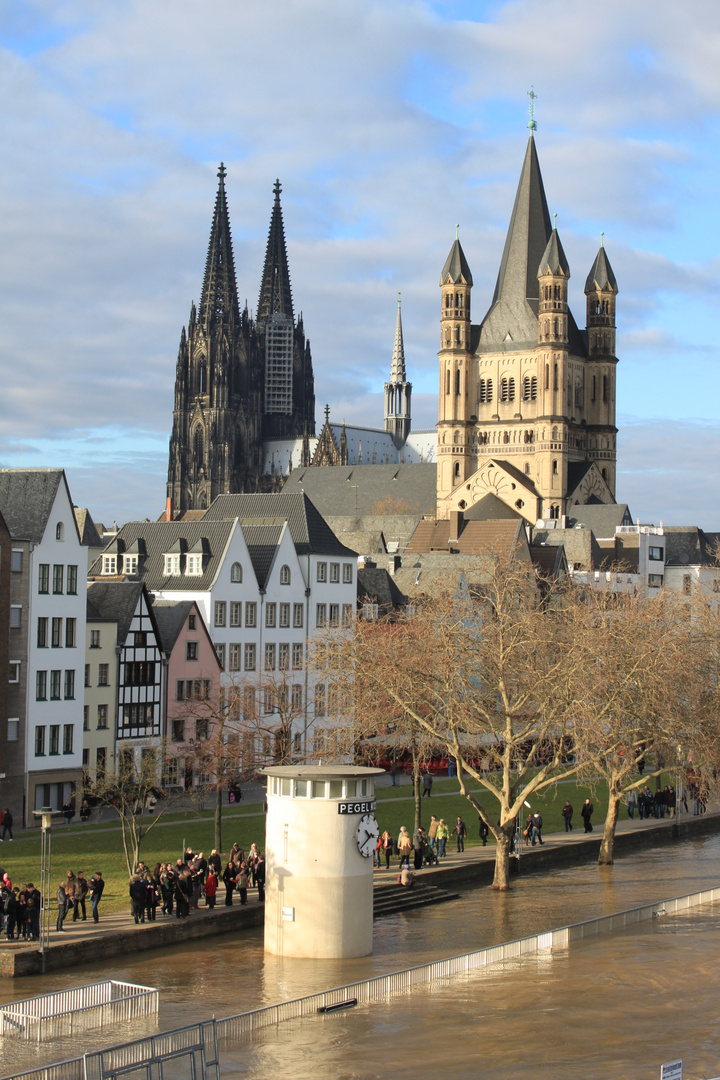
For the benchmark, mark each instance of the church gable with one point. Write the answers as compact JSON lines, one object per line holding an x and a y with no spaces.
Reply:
{"x":501,"y":480}
{"x":587,"y":488}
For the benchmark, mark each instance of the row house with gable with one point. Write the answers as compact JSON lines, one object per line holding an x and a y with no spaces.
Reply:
{"x":42,"y":737}
{"x":268,"y":576}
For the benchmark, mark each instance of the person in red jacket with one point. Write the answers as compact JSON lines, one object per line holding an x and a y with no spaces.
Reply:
{"x":210,"y":889}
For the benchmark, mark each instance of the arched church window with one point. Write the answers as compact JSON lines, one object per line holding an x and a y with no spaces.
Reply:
{"x":482,"y":390}
{"x":285,"y":575}
{"x":526,"y":388}
{"x":533,"y":388}
{"x":60,"y":531}
{"x":202,"y":376}
{"x":236,"y":573}
{"x":511,"y":389}
{"x":555,"y":468}
{"x":456,"y":438}
{"x":604,"y":474}
{"x":605,"y":388}
{"x":457,"y":382}
{"x":458,"y":300}
{"x":198,"y":445}
{"x":554,"y":434}
{"x":457,"y":469}
{"x":489,"y":391}
{"x":447,"y":381}
{"x":506,"y":437}
{"x":547,"y":376}
{"x":555,"y":378}
{"x":503,"y":389}
{"x":458,"y":336}
{"x":555,"y":327}
{"x":527,"y":468}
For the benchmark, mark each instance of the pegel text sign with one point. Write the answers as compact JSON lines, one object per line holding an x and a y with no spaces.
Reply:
{"x":366,"y":807}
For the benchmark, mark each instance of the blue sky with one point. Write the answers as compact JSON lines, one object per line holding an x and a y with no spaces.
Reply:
{"x":387,"y":123}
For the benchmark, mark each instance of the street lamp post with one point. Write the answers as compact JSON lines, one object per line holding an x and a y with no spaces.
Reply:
{"x":45,"y":814}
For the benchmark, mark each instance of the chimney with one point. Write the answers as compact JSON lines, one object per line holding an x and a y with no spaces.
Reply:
{"x":394,"y":564}
{"x":456,"y":519}
{"x":169,"y":513}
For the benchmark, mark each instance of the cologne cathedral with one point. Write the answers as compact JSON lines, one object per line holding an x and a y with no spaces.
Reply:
{"x":238,"y":381}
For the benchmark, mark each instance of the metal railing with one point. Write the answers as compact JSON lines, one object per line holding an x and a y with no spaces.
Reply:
{"x":115,"y":1062}
{"x":69,"y":1011}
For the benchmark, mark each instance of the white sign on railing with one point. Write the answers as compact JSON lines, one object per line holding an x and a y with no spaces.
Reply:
{"x":672,"y":1070}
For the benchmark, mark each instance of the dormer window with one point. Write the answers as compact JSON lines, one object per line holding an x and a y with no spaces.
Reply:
{"x":236,"y":573}
{"x":130,"y":564}
{"x":194,"y":566}
{"x":284,"y":575}
{"x":172,"y":565}
{"x":109,"y":564}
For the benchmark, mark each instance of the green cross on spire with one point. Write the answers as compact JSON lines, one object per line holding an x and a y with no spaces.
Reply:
{"x":532,"y":124}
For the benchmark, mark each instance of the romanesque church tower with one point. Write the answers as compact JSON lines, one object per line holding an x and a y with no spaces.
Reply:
{"x":527,"y":400}
{"x":237,"y":381}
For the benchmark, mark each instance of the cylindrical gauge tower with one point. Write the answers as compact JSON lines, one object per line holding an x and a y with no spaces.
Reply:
{"x":320,"y":836}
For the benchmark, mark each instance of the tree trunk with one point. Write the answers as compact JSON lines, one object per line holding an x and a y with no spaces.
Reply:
{"x":607,"y":844}
{"x":501,"y":881}
{"x":416,"y":784}
{"x":218,"y":816}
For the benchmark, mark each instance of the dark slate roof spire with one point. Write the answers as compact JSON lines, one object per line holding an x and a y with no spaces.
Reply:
{"x":456,"y":269}
{"x":601,"y":274}
{"x":553,"y":260}
{"x":275,"y":292}
{"x":219,"y":302}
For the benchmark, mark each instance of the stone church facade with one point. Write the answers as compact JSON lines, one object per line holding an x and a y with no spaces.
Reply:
{"x":238,"y":381}
{"x":526,"y":399}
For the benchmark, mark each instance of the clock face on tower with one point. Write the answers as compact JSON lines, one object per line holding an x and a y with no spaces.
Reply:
{"x":367,"y":835}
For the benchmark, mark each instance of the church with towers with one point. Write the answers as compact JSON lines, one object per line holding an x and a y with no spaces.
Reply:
{"x":526,"y":398}
{"x":526,"y":409}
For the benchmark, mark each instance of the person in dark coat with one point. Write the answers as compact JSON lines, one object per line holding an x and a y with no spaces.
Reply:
{"x":241,"y":882}
{"x":567,"y":813}
{"x":586,"y":814}
{"x":97,"y":887}
{"x":418,"y":843}
{"x":229,"y":881}
{"x":137,"y":897}
{"x":11,"y":913}
{"x":7,"y":821}
{"x":62,"y":903}
{"x":484,"y":831}
{"x":81,"y":891}
{"x":260,"y":877}
{"x":460,"y":831}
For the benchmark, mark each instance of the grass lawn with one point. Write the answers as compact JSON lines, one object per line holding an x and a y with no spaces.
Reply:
{"x":98,"y":846}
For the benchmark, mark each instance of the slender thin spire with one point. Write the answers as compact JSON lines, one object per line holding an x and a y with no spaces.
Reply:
{"x":275,"y":292}
{"x":218,"y":301}
{"x":397,"y":368}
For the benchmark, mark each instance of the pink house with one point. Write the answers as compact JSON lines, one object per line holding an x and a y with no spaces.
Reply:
{"x":193,"y":674}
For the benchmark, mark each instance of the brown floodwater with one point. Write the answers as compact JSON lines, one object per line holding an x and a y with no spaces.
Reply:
{"x":616,"y":1006}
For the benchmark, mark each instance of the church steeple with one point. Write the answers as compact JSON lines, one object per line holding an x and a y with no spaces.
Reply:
{"x":218,"y":300}
{"x":398,"y":391}
{"x":275,"y":292}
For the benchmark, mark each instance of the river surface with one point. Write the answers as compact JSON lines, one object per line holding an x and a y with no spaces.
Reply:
{"x":616,"y":1006}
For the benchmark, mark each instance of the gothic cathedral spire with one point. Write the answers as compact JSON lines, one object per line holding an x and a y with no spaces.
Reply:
{"x":398,"y":391}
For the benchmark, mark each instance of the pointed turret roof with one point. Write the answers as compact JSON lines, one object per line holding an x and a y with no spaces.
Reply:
{"x":397,"y":368}
{"x":275,"y":292}
{"x":553,"y":259}
{"x":456,"y":269}
{"x":219,"y":301}
{"x":601,"y":274}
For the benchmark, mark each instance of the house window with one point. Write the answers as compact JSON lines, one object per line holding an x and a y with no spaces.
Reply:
{"x":55,"y":685}
{"x":13,"y":729}
{"x":284,"y":616}
{"x":42,"y":635}
{"x":191,"y":650}
{"x":250,"y":656}
{"x":370,"y":612}
{"x":202,"y":730}
{"x":56,"y":639}
{"x":347,"y":614}
{"x":109,"y":564}
{"x":15,"y":616}
{"x":86,"y":717}
{"x":40,"y":741}
{"x":235,"y":613}
{"x":44,"y":578}
{"x":41,"y":686}
{"x":193,"y":566}
{"x":322,"y":571}
{"x":347,"y":573}
{"x":234,"y":657}
{"x":100,"y":761}
{"x":248,"y":703}
{"x":178,"y":731}
{"x":220,"y":612}
{"x":250,"y":614}
{"x":268,"y":702}
{"x":54,"y":747}
{"x":283,"y":656}
{"x":70,"y":625}
{"x":59,"y":531}
{"x":334,"y":614}
{"x":94,"y":639}
{"x":320,"y":615}
{"x":172,"y":565}
{"x":102,"y":717}
{"x":130,"y":564}
{"x":297,"y":616}
{"x":297,"y":697}
{"x":87,"y":676}
{"x":656,"y":553}
{"x":72,"y":580}
{"x":269,"y":657}
{"x":270,"y":614}
{"x":16,"y":560}
{"x":70,"y":685}
{"x":320,"y":699}
{"x":14,"y":676}
{"x":68,"y":737}
{"x":191,"y":621}
{"x":655,"y":581}
{"x":297,"y":656}
{"x":334,"y":572}
{"x":236,"y":573}
{"x":103,"y":674}
{"x":284,"y":575}
{"x":220,"y":651}
{"x":58,"y":575}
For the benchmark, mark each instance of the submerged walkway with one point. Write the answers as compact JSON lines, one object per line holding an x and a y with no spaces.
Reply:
{"x":81,"y":942}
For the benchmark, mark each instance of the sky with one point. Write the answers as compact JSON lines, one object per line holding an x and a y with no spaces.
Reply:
{"x":387,"y":123}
